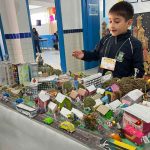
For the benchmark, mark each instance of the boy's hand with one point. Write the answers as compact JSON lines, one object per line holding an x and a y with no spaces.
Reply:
{"x":78,"y":54}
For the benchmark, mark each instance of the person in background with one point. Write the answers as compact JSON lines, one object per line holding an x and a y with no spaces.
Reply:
{"x":36,"y":40}
{"x":118,"y":52}
{"x":55,"y":40}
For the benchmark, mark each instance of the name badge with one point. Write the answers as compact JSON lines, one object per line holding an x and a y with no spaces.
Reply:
{"x":108,"y":63}
{"x":120,"y":57}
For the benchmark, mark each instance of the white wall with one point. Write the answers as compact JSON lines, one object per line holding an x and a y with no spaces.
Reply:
{"x":72,"y":19}
{"x":139,"y":7}
{"x":46,"y":26}
{"x":15,"y":20}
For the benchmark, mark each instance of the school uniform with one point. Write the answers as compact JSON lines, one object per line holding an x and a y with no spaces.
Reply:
{"x":125,"y":49}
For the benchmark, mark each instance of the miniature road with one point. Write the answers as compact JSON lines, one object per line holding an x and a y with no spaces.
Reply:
{"x":84,"y":137}
{"x":79,"y":135}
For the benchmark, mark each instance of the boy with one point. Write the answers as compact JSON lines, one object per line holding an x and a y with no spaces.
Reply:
{"x":119,"y":51}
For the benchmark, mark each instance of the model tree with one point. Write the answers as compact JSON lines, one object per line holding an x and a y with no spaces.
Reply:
{"x":128,"y":84}
{"x":89,"y":102}
{"x":90,"y":121}
{"x":67,"y":86}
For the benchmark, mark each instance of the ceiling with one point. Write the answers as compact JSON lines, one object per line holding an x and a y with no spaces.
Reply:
{"x":43,"y":3}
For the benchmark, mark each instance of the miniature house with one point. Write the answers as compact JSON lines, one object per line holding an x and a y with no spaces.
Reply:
{"x":64,"y":101}
{"x":98,"y":103}
{"x":105,"y":111}
{"x":97,"y":96}
{"x":114,"y":105}
{"x":91,"y":89}
{"x":65,"y":112}
{"x":43,"y":99}
{"x":78,"y":113}
{"x":52,"y":92}
{"x":52,"y":107}
{"x":94,"y":79}
{"x":73,"y":94}
{"x":132,"y":97}
{"x":100,"y":90}
{"x":82,"y":93}
{"x":115,"y":87}
{"x":136,"y":122}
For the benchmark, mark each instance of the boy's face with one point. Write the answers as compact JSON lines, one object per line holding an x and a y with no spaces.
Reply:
{"x":118,"y":24}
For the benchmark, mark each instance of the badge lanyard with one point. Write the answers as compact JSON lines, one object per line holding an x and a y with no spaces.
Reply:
{"x":106,"y":49}
{"x":109,"y":63}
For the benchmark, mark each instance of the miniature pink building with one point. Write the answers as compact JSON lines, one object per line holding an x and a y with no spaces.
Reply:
{"x":82,"y":93}
{"x":136,"y":123}
{"x":91,"y":89}
{"x":43,"y":99}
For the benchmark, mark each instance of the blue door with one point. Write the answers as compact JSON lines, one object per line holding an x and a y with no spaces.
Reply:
{"x":91,"y":27}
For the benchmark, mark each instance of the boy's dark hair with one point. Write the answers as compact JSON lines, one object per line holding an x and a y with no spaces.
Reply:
{"x":124,"y":9}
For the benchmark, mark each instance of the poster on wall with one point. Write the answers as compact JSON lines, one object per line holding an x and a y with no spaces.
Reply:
{"x":141,"y":31}
{"x":93,"y":9}
{"x":132,"y":1}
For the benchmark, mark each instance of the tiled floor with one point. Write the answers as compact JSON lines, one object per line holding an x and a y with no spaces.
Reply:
{"x":52,"y":57}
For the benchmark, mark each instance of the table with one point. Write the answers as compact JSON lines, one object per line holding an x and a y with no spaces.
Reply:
{"x":43,"y":42}
{"x":17,"y":132}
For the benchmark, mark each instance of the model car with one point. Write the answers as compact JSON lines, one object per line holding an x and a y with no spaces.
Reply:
{"x":66,"y":125}
{"x":48,"y":120}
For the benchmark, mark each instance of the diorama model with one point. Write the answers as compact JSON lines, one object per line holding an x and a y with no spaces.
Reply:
{"x":97,"y":107}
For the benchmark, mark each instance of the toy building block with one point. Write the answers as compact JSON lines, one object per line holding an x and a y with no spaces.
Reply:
{"x":78,"y":113}
{"x":91,"y":89}
{"x":132,"y":97}
{"x":137,"y":117}
{"x":73,"y":94}
{"x":43,"y":99}
{"x":52,"y":107}
{"x":65,"y":112}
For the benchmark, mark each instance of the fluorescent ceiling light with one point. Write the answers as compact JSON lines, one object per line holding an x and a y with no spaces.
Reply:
{"x":34,"y":6}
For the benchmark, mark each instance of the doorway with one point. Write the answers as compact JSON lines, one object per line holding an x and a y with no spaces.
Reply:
{"x":42,"y":14}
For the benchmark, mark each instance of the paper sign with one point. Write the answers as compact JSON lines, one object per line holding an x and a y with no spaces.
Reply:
{"x":108,"y":63}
